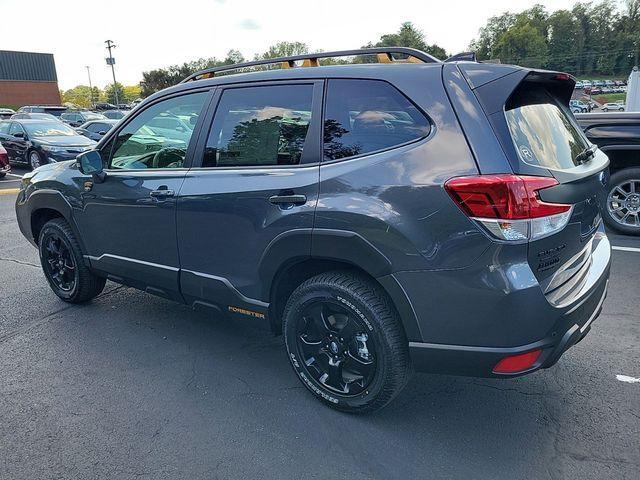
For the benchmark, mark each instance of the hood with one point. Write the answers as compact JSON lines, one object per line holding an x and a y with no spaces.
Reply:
{"x":65,"y":141}
{"x":51,"y":168}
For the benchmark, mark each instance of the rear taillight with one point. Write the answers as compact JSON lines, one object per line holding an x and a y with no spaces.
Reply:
{"x":509,"y":206}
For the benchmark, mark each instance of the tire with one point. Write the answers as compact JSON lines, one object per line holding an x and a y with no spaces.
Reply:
{"x":617,"y":204}
{"x":35,"y":160}
{"x":372,"y":332}
{"x":56,"y":233}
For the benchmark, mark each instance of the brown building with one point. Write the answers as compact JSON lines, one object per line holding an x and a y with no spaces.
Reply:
{"x":28,"y":79}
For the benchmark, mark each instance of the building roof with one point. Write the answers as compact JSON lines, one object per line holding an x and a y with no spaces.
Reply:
{"x":27,"y":66}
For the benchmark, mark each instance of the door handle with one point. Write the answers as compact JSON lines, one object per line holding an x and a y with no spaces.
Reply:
{"x":161,"y":193}
{"x":288,"y":199}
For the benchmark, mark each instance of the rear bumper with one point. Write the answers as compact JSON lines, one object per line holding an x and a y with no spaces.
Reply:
{"x":480,"y":361}
{"x":487,"y":326}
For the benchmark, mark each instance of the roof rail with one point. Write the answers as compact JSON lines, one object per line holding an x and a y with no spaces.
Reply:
{"x":383,"y":54}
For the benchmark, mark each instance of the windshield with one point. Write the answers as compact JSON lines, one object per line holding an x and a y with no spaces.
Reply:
{"x":543,"y":130}
{"x":48,"y":129}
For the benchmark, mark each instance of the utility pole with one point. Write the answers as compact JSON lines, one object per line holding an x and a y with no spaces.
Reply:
{"x":90,"y":87}
{"x":112,"y":61}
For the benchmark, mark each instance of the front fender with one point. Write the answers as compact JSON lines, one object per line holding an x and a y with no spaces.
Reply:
{"x":28,"y":205}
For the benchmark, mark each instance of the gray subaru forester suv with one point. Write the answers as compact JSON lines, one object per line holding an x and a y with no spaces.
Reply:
{"x":397,"y":213}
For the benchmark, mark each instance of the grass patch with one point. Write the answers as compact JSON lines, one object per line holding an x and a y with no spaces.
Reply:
{"x":610,"y":98}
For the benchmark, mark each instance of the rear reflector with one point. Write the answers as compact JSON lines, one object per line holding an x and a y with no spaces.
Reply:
{"x":517,"y":363}
{"x":509,"y":206}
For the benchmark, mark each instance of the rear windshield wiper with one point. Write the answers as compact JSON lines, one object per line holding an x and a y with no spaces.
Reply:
{"x":586,"y":154}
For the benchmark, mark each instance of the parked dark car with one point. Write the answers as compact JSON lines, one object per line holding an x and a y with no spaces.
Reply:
{"x":5,"y":166}
{"x":98,"y":107}
{"x":6,"y":113}
{"x":618,"y":135}
{"x":114,"y":114}
{"x":96,"y":129}
{"x":34,"y":116}
{"x":37,"y":142}
{"x":55,"y":110}
{"x":75,"y":119}
{"x":440,"y":215}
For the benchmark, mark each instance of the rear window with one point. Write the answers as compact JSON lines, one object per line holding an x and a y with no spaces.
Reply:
{"x":543,"y":130}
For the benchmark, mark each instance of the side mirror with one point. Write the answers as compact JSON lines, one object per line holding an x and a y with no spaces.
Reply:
{"x":19,"y":135}
{"x":90,"y":163}
{"x":102,"y":132}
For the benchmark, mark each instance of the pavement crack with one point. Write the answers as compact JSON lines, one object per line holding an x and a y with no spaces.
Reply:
{"x":46,"y":318}
{"x":520,"y":392}
{"x":19,"y":262}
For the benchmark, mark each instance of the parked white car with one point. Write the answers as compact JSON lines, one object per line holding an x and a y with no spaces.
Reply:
{"x":617,"y":107}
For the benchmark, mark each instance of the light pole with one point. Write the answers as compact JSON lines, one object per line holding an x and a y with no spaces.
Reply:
{"x":90,"y":87}
{"x":112,"y":61}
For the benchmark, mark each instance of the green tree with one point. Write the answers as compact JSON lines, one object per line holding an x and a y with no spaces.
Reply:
{"x":110,"y":93}
{"x":564,"y":37}
{"x":284,"y":49}
{"x":409,"y":36}
{"x":131,"y":92}
{"x":81,"y":96}
{"x":522,"y":44}
{"x":156,"y":80}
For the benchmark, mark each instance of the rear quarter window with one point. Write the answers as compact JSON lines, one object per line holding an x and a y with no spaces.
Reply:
{"x":543,"y":130}
{"x":364,"y":116}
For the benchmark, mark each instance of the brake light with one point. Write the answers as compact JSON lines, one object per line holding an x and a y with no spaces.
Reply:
{"x":509,"y":206}
{"x":517,"y":363}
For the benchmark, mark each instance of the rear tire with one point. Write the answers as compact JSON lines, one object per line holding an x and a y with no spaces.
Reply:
{"x":370,"y":355}
{"x":63,"y":264}
{"x":618,"y":203}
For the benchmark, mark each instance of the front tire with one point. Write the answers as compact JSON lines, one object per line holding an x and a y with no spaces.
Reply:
{"x":35,"y":160}
{"x":345,"y":342}
{"x":63,"y":265}
{"x":622,"y":210}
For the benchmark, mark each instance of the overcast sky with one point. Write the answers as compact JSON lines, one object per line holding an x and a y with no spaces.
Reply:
{"x":152,"y":34}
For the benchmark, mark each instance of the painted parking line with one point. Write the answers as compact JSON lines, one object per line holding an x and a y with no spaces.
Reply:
{"x":19,"y":177}
{"x":9,"y":191}
{"x":626,"y":249}
{"x":627,"y":379}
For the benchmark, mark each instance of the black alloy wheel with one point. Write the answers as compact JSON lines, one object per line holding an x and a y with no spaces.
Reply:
{"x":336,"y":350}
{"x":63,"y":266}
{"x":59,"y":263}
{"x":345,"y":341}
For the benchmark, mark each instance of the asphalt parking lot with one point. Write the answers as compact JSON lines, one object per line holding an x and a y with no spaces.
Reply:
{"x":133,"y":386}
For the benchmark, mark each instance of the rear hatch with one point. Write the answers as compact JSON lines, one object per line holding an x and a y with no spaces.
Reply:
{"x":542,"y":139}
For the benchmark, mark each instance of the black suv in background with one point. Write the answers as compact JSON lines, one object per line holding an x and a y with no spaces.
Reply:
{"x":618,"y":135}
{"x":413,"y":213}
{"x":96,"y":129}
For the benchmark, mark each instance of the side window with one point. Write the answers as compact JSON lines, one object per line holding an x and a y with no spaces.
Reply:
{"x":259,"y":126}
{"x":4,"y":127}
{"x":96,"y":127}
{"x":363,"y":116}
{"x":159,"y":136}
{"x":15,"y":128}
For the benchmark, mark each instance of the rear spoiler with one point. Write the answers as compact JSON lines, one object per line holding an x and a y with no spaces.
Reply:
{"x":493,"y":84}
